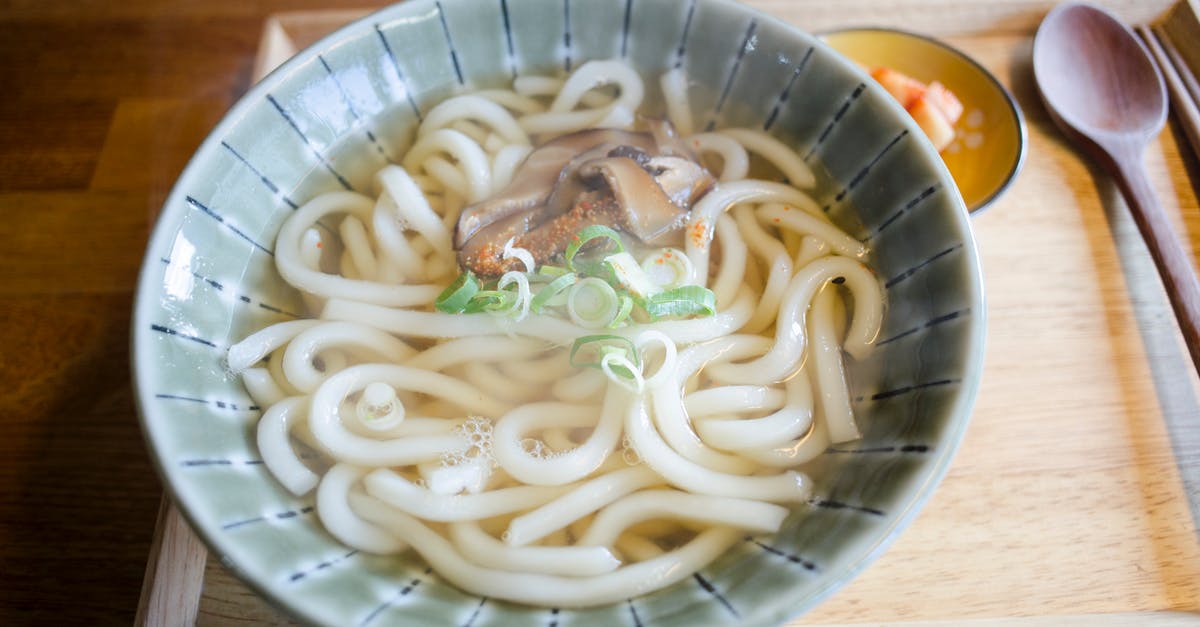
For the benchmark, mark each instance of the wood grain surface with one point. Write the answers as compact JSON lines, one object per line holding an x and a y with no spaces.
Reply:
{"x":1073,"y":498}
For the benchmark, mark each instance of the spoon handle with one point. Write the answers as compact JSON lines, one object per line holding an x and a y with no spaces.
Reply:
{"x":1174,"y":265}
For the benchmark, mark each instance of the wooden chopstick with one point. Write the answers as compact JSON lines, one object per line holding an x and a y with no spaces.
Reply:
{"x":1186,"y":73}
{"x":174,"y":572}
{"x":1185,"y":102}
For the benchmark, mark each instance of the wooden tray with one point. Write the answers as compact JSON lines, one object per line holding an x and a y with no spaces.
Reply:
{"x":1068,"y":502}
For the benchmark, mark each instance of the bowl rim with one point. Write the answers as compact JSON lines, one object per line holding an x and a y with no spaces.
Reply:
{"x":165,"y":228}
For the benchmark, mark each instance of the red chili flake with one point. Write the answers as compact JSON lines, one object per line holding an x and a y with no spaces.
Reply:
{"x":659,"y":260}
{"x":776,"y":219}
{"x":320,"y":245}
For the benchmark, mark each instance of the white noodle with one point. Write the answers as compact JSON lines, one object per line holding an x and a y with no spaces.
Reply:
{"x":395,"y":490}
{"x":274,"y":434}
{"x":745,"y":514}
{"x":790,"y":336}
{"x":437,"y":428}
{"x":472,"y":161}
{"x":704,"y":215}
{"x":295,"y":272}
{"x":789,"y":487}
{"x":735,"y":162}
{"x":774,"y":430}
{"x":474,"y":108}
{"x":572,"y":561}
{"x":258,"y":345}
{"x":679,"y":111}
{"x":302,"y":352}
{"x":775,"y":256}
{"x":829,"y":370}
{"x":413,"y":209}
{"x":732,"y":399}
{"x":549,"y":590}
{"x":567,"y":466}
{"x":585,"y":499}
{"x":333,"y":507}
{"x":262,"y":387}
{"x":785,"y":159}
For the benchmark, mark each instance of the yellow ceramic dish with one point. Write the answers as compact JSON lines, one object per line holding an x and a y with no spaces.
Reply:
{"x":989,"y":146}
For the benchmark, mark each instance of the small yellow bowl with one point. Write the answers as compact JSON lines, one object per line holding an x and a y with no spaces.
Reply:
{"x":990,"y":141}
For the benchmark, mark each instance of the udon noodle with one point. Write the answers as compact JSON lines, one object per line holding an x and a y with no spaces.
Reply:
{"x":485,"y":440}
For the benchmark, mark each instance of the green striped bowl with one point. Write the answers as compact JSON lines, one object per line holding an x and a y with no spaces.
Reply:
{"x":334,"y":114}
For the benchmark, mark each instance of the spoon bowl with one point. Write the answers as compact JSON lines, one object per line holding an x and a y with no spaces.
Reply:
{"x":1096,"y":74}
{"x":1104,"y":91}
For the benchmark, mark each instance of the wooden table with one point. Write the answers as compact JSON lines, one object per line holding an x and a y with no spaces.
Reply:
{"x":1075,"y":496}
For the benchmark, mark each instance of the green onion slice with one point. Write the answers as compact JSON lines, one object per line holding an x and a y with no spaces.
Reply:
{"x":552,"y":289}
{"x":592,"y":302}
{"x":588,"y":234}
{"x":552,"y":271}
{"x":688,"y":300}
{"x":598,"y":346}
{"x":491,"y":300}
{"x":456,"y":297}
{"x":624,"y":311}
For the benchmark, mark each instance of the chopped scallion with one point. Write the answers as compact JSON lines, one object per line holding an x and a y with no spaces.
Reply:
{"x":688,"y":300}
{"x":623,"y":312}
{"x":588,"y":234}
{"x":552,"y":289}
{"x":458,"y":294}
{"x":597,"y":347}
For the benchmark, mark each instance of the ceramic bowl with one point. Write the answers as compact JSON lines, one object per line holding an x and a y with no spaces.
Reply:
{"x":989,"y":147}
{"x":331,"y":116}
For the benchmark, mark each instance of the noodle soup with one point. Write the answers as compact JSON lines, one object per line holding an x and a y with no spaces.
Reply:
{"x":567,"y":354}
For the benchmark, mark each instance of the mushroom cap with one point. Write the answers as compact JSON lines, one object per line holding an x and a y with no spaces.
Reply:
{"x":641,"y":183}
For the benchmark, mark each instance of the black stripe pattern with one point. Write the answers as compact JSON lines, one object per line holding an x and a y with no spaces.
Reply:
{"x":353,"y":110}
{"x":791,"y":557}
{"x":165,"y":330}
{"x":866,"y":169}
{"x":920,"y":266}
{"x":301,"y":574}
{"x":908,"y":206}
{"x":681,"y":50}
{"x":219,"y":404}
{"x":567,"y":35}
{"x":708,"y":587}
{"x":206,"y":210}
{"x":399,"y":73}
{"x":746,"y":46}
{"x":506,"y":20}
{"x":475,"y":614}
{"x":262,"y":177}
{"x":243,"y":298}
{"x":837,"y":117}
{"x":405,"y":591}
{"x":625,"y":29}
{"x":633,"y":614}
{"x":284,"y":515}
{"x":832,"y":504}
{"x":787,"y":91}
{"x":220,"y":463}
{"x":904,"y":448}
{"x":308,"y":142}
{"x":450,"y":44}
{"x":905,"y":390}
{"x":926,"y":325}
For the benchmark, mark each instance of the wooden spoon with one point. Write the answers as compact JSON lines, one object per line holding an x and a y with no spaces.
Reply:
{"x":1104,"y":91}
